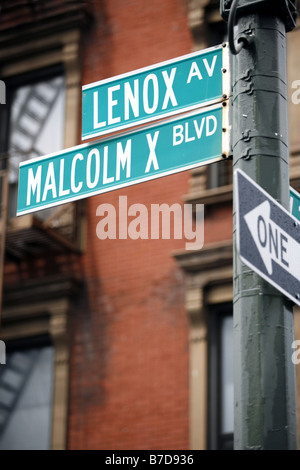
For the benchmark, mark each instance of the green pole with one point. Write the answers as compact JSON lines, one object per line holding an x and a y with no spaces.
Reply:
{"x":264,"y":377}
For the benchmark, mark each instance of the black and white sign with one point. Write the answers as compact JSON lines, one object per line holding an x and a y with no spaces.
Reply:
{"x":268,"y":237}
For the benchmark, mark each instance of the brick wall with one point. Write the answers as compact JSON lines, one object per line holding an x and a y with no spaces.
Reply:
{"x":129,"y":361}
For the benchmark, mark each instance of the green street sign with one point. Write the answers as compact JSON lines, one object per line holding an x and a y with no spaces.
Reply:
{"x":295,"y":203}
{"x":157,"y":91}
{"x":174,"y":145}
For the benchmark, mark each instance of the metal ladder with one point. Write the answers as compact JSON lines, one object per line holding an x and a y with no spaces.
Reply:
{"x":36,"y":109}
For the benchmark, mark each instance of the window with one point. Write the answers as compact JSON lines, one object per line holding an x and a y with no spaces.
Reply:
{"x":36,"y":123}
{"x":26,"y":390}
{"x":221,"y":399}
{"x":220,"y":173}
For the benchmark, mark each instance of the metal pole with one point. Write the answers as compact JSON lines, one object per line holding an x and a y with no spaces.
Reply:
{"x":265,"y":391}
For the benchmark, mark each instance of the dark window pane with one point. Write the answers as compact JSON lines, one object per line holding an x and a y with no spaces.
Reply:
{"x":221,"y":389}
{"x":227,"y":401}
{"x":26,"y":387}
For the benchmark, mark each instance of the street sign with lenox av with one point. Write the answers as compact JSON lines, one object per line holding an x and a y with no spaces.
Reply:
{"x":268,"y":237}
{"x":173,"y":145}
{"x":155,"y":92}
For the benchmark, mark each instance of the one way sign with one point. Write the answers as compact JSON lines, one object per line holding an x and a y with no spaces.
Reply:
{"x":268,"y":237}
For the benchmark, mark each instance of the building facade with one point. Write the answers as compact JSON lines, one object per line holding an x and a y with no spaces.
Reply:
{"x":112,"y":343}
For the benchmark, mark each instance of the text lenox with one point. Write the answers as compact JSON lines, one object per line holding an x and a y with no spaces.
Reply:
{"x":157,"y":91}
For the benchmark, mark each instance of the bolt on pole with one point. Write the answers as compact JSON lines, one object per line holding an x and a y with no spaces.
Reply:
{"x":264,"y":377}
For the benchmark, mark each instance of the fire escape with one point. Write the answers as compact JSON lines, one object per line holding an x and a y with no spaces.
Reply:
{"x":48,"y":231}
{"x":51,"y":230}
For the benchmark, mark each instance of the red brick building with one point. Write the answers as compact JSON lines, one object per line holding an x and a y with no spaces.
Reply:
{"x":111,"y":344}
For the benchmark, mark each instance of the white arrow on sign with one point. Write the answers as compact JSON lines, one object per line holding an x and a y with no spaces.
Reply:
{"x":273,"y":243}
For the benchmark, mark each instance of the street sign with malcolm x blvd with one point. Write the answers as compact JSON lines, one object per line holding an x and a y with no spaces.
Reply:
{"x":176,"y":144}
{"x":268,"y":237}
{"x":154,"y":92}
